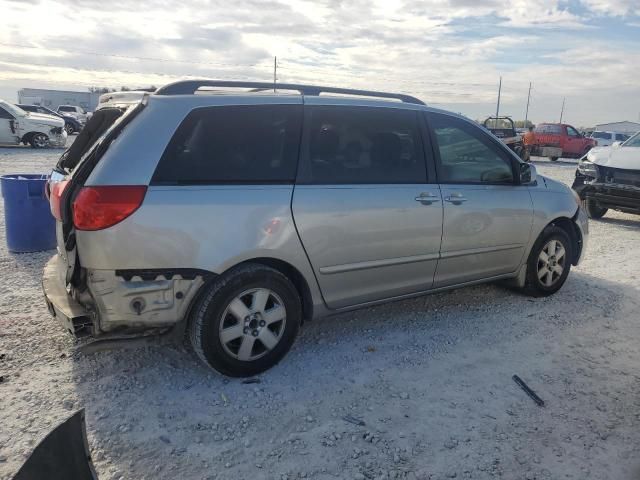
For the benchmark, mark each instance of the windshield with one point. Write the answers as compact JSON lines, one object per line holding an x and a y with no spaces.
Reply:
{"x":500,"y":123}
{"x":13,"y":109}
{"x":633,"y":141}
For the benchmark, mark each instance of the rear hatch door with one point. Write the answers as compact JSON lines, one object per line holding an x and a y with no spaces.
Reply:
{"x":72,"y":170}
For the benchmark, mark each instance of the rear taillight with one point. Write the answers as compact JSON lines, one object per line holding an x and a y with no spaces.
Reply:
{"x":96,"y":208}
{"x":55,"y":191}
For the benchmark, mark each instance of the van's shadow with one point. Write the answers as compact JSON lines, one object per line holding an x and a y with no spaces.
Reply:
{"x":160,"y":391}
{"x":629,"y":223}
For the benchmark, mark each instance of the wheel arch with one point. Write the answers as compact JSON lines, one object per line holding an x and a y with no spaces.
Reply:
{"x":288,"y":270}
{"x":294,"y":275}
{"x":569,"y":226}
{"x":26,"y":138}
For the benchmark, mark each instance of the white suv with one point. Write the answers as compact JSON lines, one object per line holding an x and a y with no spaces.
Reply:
{"x":36,"y":129}
{"x":606,"y":139}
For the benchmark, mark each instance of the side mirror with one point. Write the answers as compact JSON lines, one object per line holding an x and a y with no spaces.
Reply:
{"x":616,"y":144}
{"x":528,"y":174}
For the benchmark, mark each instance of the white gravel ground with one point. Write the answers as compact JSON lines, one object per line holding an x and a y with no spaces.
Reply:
{"x":431,"y":377}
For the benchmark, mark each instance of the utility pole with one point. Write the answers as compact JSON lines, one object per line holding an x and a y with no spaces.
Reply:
{"x":495,"y":123}
{"x":526,"y":115}
{"x":562,"y":110}
{"x":275,"y":72}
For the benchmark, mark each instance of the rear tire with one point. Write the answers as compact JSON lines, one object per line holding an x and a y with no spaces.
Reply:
{"x":39,"y":140}
{"x":594,"y":211}
{"x":246,"y":321}
{"x":553,"y":159}
{"x":549,"y":262}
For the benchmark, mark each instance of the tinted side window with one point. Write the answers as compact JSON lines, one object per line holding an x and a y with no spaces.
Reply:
{"x":621,"y":137}
{"x":235,"y":144}
{"x":467,"y":154}
{"x":572,"y":132}
{"x":355,"y":145}
{"x":5,"y":114}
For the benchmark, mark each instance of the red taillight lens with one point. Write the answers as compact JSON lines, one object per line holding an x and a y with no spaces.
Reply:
{"x":95,"y":208}
{"x":56,"y":189}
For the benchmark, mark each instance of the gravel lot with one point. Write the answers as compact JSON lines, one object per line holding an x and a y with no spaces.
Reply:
{"x":431,"y":377}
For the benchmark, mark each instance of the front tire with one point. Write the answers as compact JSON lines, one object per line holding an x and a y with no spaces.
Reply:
{"x":69,"y":128}
{"x":39,"y":140}
{"x":549,"y":262}
{"x":594,"y":211}
{"x":246,"y":321}
{"x":553,"y":159}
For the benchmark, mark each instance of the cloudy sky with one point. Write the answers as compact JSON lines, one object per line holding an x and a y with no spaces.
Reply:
{"x":450,"y":53}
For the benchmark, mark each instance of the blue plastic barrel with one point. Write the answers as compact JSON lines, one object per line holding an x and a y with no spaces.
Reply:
{"x":29,"y":225}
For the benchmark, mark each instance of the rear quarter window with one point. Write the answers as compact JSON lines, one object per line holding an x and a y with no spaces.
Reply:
{"x":549,"y":129}
{"x":233,"y":144}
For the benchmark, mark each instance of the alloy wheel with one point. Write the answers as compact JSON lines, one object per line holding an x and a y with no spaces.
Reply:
{"x":252,"y":324}
{"x":40,"y":140}
{"x":551,"y":262}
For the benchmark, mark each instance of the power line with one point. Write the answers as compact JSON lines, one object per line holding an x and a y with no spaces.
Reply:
{"x":382,"y":77}
{"x":151,"y":59}
{"x":73,"y":67}
{"x":235,"y":76}
{"x":294,"y":68}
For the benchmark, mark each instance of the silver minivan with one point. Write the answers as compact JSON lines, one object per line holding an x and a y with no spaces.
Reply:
{"x":231,"y":214}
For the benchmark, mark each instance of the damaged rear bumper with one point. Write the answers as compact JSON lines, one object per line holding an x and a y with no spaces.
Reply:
{"x":73,"y":316}
{"x":125,"y":301}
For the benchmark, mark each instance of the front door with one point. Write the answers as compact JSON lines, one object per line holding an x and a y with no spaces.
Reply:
{"x":575,"y":142}
{"x":487,"y":214}
{"x":369,"y":220}
{"x":6,"y":129}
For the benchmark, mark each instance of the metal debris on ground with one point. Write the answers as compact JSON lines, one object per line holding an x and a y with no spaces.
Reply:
{"x":354,"y":420}
{"x":251,"y":380}
{"x":528,"y":391}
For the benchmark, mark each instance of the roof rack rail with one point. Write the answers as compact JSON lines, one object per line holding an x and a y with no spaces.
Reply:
{"x":189,"y":87}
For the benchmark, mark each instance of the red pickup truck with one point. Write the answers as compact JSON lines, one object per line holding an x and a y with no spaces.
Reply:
{"x":555,"y":140}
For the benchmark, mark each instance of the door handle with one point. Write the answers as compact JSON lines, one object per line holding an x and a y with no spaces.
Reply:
{"x":455,"y":198}
{"x":427,"y":198}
